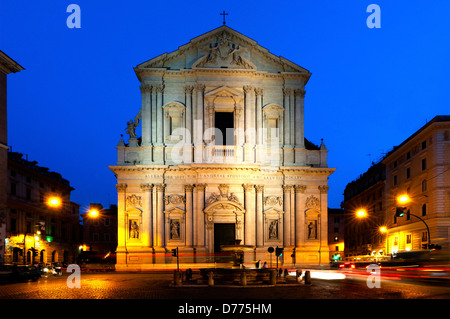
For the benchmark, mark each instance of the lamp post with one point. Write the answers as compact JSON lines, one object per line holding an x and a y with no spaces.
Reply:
{"x":403,"y":200}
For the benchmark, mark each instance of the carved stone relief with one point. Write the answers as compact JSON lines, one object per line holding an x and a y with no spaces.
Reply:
{"x":174,"y":199}
{"x":223,"y":195}
{"x":134,"y":200}
{"x":312,"y":202}
{"x":273,"y":200}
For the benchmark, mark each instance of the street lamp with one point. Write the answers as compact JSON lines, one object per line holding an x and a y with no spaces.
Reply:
{"x":402,"y":200}
{"x":93,"y":213}
{"x":383,"y":229}
{"x":54,"y":201}
{"x":361,"y":213}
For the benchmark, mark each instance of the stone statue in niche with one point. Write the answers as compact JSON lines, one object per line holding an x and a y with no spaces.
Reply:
{"x":312,"y":230}
{"x":273,"y":229}
{"x":134,"y":229}
{"x":174,"y":229}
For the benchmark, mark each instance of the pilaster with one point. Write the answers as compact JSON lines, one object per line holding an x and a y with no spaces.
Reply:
{"x":287,"y":215}
{"x":147,"y":216}
{"x":249,"y":235}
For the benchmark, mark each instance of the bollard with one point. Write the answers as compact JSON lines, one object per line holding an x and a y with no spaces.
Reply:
{"x":298,"y":275}
{"x":210,"y":279}
{"x":243,"y":278}
{"x":273,"y":277}
{"x":189,"y":274}
{"x":307,"y":277}
{"x":177,"y":278}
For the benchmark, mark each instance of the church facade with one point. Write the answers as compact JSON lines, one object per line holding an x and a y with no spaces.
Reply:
{"x":222,"y":159}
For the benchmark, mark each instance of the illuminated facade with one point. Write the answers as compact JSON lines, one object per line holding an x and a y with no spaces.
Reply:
{"x":221,"y":157}
{"x":420,"y":168}
{"x":36,"y":230}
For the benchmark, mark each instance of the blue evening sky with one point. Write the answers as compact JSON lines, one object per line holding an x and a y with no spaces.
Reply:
{"x":370,"y":89}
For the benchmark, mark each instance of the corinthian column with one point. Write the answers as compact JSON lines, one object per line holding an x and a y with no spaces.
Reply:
{"x":299,"y":119}
{"x":147,"y":216}
{"x":200,"y":215}
{"x":287,"y":215}
{"x":249,"y":129}
{"x":146,"y":115}
{"x":287,"y":113}
{"x":299,"y":215}
{"x":198,"y":125}
{"x":160,"y":215}
{"x":249,"y":235}
{"x":188,"y":126}
{"x":324,"y":215}
{"x":121,"y":223}
{"x":190,"y":221}
{"x":259,"y":216}
{"x":159,"y":115}
{"x":153,"y":112}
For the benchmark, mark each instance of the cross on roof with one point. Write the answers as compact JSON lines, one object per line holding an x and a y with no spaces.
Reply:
{"x":224,"y":14}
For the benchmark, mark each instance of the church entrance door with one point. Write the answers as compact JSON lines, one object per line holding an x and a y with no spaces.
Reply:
{"x":224,"y":234}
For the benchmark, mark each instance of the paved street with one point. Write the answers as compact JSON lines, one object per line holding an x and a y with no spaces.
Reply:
{"x":157,"y":285}
{"x":141,"y":293}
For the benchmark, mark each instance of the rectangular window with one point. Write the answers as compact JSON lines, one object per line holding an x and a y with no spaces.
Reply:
{"x":395,"y":180}
{"x":424,"y":185}
{"x":13,"y":188}
{"x":13,"y":225}
{"x":424,"y":236}
{"x":424,"y":145}
{"x":424,"y":164}
{"x":408,"y":172}
{"x":408,"y":239}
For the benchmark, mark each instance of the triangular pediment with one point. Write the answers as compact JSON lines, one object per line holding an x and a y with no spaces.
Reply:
{"x":223,"y":48}
{"x":224,"y":91}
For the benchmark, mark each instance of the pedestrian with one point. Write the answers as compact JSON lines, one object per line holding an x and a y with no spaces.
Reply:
{"x":258,"y":264}
{"x":265,"y":265}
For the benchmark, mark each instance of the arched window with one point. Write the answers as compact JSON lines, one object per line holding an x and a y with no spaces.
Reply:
{"x":424,"y":209}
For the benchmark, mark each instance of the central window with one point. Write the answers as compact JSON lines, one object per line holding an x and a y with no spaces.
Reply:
{"x":224,"y":122}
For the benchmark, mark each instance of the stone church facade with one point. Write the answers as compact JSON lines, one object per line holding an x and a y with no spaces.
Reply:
{"x":221,"y":158}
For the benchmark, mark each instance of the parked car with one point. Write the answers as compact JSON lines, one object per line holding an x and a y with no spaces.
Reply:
{"x":19,"y":273}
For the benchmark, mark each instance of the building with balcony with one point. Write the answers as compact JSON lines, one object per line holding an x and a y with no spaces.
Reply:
{"x":42,"y":223}
{"x":222,"y":158}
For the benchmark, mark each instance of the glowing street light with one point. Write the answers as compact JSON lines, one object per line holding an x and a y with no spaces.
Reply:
{"x":361,"y":213}
{"x":383,"y":229}
{"x":54,"y":202}
{"x":93,"y":213}
{"x":403,"y":199}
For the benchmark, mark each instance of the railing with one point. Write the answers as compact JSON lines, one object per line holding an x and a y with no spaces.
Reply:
{"x":224,"y":154}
